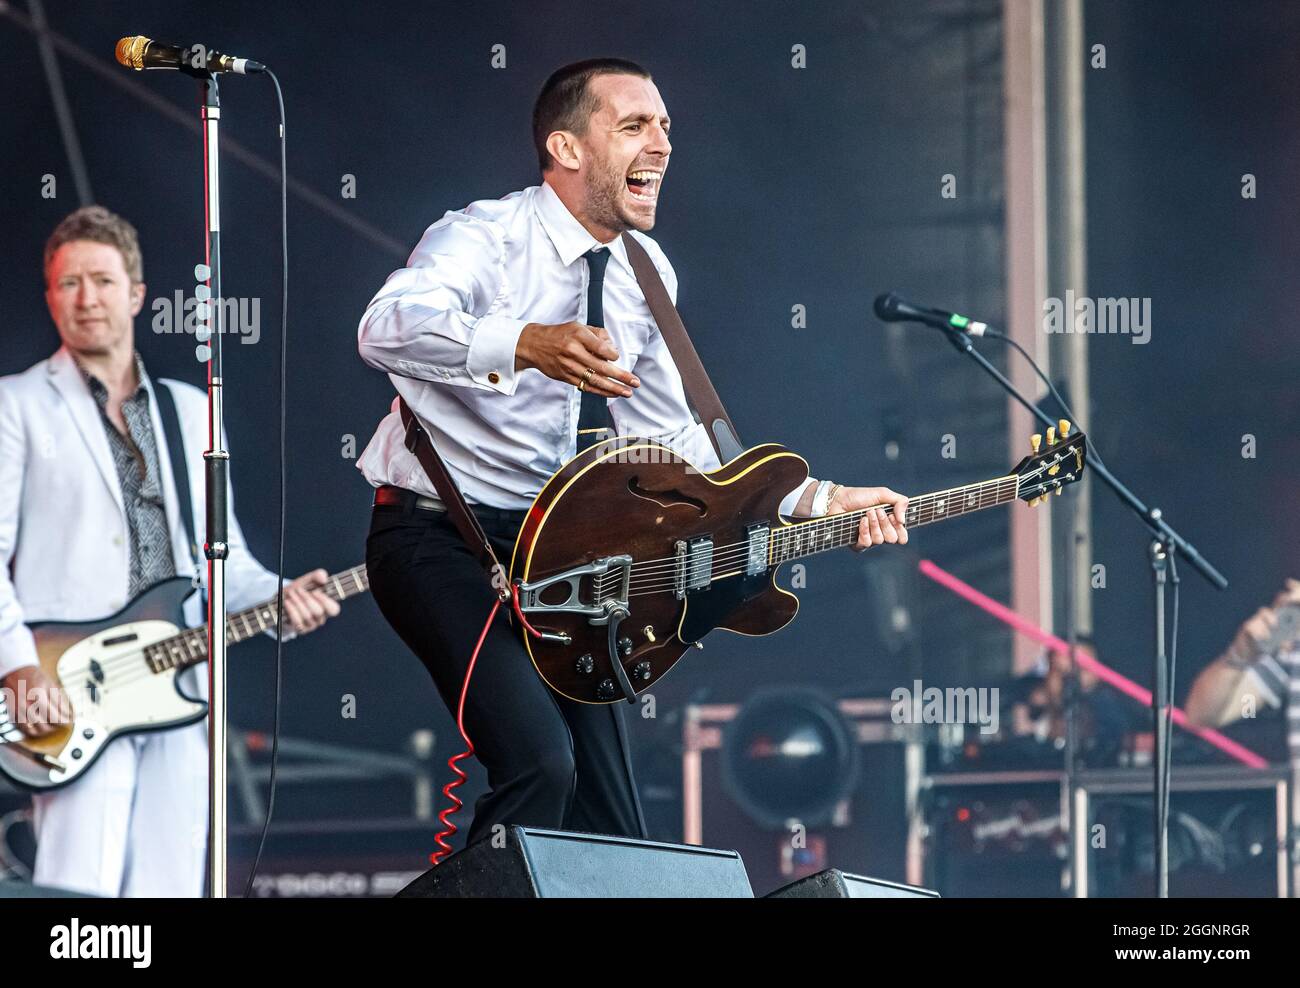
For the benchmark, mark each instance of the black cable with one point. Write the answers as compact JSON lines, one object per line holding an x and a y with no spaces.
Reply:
{"x":993,"y":334}
{"x":279,"y":597}
{"x":1167,"y":764}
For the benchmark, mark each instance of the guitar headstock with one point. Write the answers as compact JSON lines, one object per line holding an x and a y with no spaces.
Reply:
{"x":1051,"y":465}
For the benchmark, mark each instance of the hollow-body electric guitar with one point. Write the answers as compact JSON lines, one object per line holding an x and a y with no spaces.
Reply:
{"x":119,"y":675}
{"x":629,"y":555}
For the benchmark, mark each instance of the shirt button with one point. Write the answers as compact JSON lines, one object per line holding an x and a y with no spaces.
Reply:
{"x":117,"y":540}
{"x":494,"y":378}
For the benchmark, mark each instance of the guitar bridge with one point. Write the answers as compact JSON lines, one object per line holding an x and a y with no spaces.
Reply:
{"x":610,"y":576}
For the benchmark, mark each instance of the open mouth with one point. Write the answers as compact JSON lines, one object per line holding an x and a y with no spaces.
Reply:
{"x":643,"y":185}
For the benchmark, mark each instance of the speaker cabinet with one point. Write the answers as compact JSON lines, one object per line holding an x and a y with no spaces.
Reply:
{"x":555,"y":864}
{"x":836,"y":884}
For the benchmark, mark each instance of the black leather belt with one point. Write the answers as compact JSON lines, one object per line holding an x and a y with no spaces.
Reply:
{"x":400,"y":497}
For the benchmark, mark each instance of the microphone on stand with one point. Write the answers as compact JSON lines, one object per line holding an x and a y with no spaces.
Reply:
{"x":138,"y":52}
{"x":893,"y":308}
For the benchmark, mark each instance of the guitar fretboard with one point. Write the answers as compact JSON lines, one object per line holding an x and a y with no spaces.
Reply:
{"x":831,"y":531}
{"x":190,"y":647}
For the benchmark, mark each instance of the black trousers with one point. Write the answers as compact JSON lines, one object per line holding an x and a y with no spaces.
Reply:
{"x":551,"y":762}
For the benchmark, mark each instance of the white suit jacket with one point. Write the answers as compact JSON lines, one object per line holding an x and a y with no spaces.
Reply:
{"x":64,"y":541}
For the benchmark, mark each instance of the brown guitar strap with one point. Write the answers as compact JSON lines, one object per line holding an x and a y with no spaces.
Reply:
{"x":699,"y":392}
{"x":419,"y":443}
{"x":695,"y":379}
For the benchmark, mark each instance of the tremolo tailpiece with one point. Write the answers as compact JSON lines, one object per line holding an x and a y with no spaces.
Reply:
{"x":610,"y":578}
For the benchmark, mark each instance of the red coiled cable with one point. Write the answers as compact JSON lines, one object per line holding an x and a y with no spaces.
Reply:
{"x":444,"y":817}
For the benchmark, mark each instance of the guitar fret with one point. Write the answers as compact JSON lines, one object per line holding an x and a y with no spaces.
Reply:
{"x":805,"y":538}
{"x":190,"y":646}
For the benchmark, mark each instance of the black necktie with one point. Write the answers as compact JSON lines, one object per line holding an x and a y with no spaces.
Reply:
{"x":593,"y":419}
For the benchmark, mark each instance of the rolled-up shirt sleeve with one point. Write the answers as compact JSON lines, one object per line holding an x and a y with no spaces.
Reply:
{"x":437,"y":319}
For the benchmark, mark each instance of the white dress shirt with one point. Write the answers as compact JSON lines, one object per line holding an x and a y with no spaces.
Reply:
{"x":445,"y":327}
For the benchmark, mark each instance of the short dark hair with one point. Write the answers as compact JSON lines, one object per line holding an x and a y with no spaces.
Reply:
{"x":98,"y":224}
{"x":566,"y":103}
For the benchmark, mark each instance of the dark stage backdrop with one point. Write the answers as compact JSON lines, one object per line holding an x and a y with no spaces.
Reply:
{"x":1187,"y":106}
{"x":812,"y":187}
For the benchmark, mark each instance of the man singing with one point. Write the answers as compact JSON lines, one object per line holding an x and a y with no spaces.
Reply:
{"x":508,"y":312}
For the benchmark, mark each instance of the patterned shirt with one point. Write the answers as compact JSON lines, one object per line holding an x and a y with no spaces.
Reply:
{"x":1277,"y":678}
{"x":135,"y":454}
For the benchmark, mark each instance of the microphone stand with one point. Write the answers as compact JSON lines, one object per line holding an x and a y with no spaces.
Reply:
{"x":217,"y":470}
{"x":1166,"y":541}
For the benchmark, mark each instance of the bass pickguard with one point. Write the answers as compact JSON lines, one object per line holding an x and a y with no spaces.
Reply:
{"x":102,"y":669}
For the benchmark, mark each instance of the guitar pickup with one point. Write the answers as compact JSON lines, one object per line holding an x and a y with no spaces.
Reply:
{"x":757,"y":539}
{"x":694,"y":565}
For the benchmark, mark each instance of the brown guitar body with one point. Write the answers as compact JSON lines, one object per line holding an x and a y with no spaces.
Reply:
{"x":635,"y":497}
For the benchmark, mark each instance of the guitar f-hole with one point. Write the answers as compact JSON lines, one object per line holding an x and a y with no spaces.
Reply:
{"x":666,"y":499}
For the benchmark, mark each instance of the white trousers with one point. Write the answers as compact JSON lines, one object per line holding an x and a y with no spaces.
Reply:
{"x":136,"y":824}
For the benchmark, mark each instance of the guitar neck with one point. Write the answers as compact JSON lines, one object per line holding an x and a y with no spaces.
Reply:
{"x":190,"y":647}
{"x":831,"y":531}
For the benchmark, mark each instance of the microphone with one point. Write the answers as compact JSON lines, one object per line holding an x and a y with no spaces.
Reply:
{"x":892,"y":308}
{"x":139,"y":52}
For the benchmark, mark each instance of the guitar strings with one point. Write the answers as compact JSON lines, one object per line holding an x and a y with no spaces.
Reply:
{"x":826,"y":537}
{"x":354,"y":581}
{"x":834,"y":521}
{"x":837,"y":527}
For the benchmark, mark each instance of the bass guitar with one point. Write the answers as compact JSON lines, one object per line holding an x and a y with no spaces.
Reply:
{"x":119,"y":675}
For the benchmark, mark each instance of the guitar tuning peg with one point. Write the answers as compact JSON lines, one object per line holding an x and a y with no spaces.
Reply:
{"x":1036,"y":501}
{"x":1064,"y":428}
{"x":1051,"y":435}
{"x":1035,"y":441}
{"x":1059,"y":488}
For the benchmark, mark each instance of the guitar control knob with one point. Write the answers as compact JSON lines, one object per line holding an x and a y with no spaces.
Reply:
{"x":76,"y":752}
{"x":88,"y":733}
{"x":642,"y":670}
{"x":606,"y":690}
{"x":585,"y":664}
{"x":625,"y":647}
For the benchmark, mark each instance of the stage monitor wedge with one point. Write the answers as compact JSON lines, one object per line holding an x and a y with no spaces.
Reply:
{"x":836,"y":884}
{"x":553,"y":864}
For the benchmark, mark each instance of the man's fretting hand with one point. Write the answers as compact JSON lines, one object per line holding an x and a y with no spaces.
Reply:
{"x":306,"y":606}
{"x":568,"y":351}
{"x":876,"y":527}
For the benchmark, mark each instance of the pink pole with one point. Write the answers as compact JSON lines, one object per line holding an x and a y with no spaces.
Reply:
{"x":1086,"y":661}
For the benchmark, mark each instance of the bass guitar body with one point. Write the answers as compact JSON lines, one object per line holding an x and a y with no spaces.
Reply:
{"x":103,"y":669}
